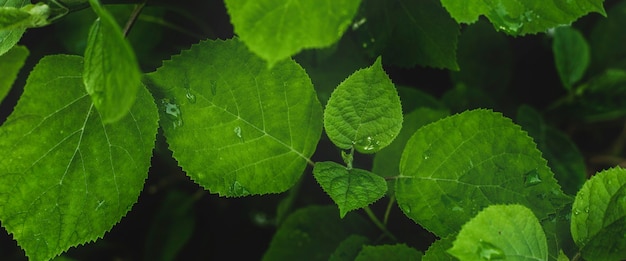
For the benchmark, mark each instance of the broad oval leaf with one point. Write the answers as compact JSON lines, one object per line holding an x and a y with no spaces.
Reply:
{"x":571,"y":55}
{"x":277,"y":29}
{"x":599,"y":216}
{"x":10,"y":64}
{"x":111,"y":73}
{"x":350,"y":188}
{"x":454,"y":167}
{"x":520,"y":17}
{"x":364,"y":111}
{"x":510,"y":232}
{"x":66,"y":177}
{"x":236,"y":127}
{"x":8,"y":38}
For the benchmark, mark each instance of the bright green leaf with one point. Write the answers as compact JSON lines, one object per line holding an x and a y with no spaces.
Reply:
{"x":25,"y":17}
{"x":364,"y":111}
{"x":236,"y":127}
{"x":454,"y":167}
{"x":520,"y":17}
{"x":438,"y":250}
{"x":599,"y":216}
{"x":276,"y":29}
{"x":571,"y":55}
{"x":111,"y":74}
{"x":66,"y":177}
{"x":563,"y":157}
{"x":313,"y":233}
{"x":349,"y":248}
{"x":388,"y":252}
{"x":10,"y":64}
{"x":350,"y":188}
{"x":8,"y":38}
{"x":509,"y":232}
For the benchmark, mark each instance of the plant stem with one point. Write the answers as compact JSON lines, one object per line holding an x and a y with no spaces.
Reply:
{"x":392,"y":200}
{"x":133,"y":17}
{"x":377,"y":222}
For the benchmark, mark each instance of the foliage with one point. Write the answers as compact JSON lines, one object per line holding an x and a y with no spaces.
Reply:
{"x":304,"y":103}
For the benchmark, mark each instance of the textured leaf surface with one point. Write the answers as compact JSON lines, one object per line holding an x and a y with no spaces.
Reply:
{"x":111,"y":75}
{"x":452,"y":168}
{"x":501,"y":232}
{"x":388,"y":252}
{"x":571,"y":55}
{"x":438,"y":250}
{"x":10,"y":64}
{"x":599,"y":216}
{"x":66,"y":177}
{"x":313,"y":233}
{"x":519,"y":17}
{"x":350,"y":188}
{"x":607,"y":40}
{"x":236,"y":127}
{"x":8,"y":38}
{"x":277,"y":29}
{"x":25,"y":17}
{"x":364,"y":111}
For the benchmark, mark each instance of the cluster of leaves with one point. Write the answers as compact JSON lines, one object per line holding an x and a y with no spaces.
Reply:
{"x":242,"y":118}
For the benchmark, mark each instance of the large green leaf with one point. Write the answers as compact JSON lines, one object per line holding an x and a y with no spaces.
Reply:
{"x":607,"y":40}
{"x":28,"y":16}
{"x":8,"y":38}
{"x":571,"y":55}
{"x":66,"y":178}
{"x":501,"y":232}
{"x":235,"y":126}
{"x":454,"y":167}
{"x":364,"y":111}
{"x":599,"y":216}
{"x":111,"y":74}
{"x":437,"y":251}
{"x":520,"y":17}
{"x":313,"y":233}
{"x":10,"y":64}
{"x":350,"y":188}
{"x":277,"y":29}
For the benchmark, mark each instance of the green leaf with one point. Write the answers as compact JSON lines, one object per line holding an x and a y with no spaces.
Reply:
{"x":28,"y":16}
{"x":571,"y":55}
{"x":602,"y":96}
{"x":171,"y":228}
{"x":563,"y":157}
{"x":509,"y":232}
{"x":313,"y":233}
{"x":454,"y":167}
{"x":349,"y":188}
{"x":10,"y":64}
{"x":520,"y":17}
{"x":364,"y":111}
{"x":607,"y":40}
{"x":438,"y":250}
{"x":599,"y":216}
{"x":8,"y":38}
{"x":236,"y":127}
{"x":349,"y":248}
{"x":111,"y":74}
{"x":388,"y":252}
{"x":66,"y":177}
{"x":276,"y":29}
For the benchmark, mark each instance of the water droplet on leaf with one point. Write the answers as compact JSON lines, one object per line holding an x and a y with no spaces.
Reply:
{"x":238,"y":190}
{"x":173,"y":112}
{"x":213,"y":87}
{"x":190,"y":96}
{"x":532,"y":178}
{"x":367,"y":144}
{"x":488,"y":251}
{"x":237,"y":131}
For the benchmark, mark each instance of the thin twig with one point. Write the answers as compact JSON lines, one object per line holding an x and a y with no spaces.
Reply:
{"x":133,"y":17}
{"x":378,"y":224}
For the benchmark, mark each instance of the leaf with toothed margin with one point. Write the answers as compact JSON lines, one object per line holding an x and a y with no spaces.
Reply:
{"x":66,"y":177}
{"x":454,"y":167}
{"x":10,"y":64}
{"x":235,"y":126}
{"x":276,"y":29}
{"x":8,"y":38}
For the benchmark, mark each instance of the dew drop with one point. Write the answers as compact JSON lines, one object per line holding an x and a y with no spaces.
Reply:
{"x":576,"y":212}
{"x":213,"y":87}
{"x":532,"y":178}
{"x":237,"y":131}
{"x":190,"y":96}
{"x":238,"y":190}
{"x":359,"y":23}
{"x":368,"y":144}
{"x":488,"y":251}
{"x":173,"y":112}
{"x":586,"y":210}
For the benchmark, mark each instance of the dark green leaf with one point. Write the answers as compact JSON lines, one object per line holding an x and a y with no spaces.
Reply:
{"x":388,"y":252}
{"x":510,"y":232}
{"x":599,"y":216}
{"x":454,"y":167}
{"x":313,"y":233}
{"x":349,"y":248}
{"x":276,"y":29}
{"x":364,"y":112}
{"x":350,"y":188}
{"x":10,"y":64}
{"x":607,"y":40}
{"x":236,"y":127}
{"x":67,"y":178}
{"x":111,"y":74}
{"x":571,"y":55}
